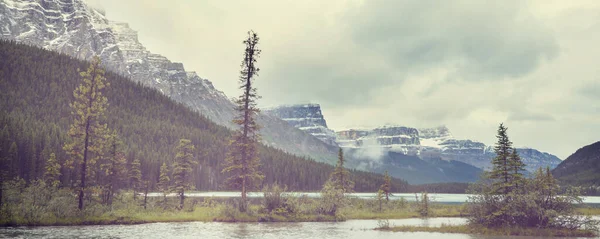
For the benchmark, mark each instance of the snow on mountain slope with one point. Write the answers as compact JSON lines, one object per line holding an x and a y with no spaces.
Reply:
{"x":73,"y":28}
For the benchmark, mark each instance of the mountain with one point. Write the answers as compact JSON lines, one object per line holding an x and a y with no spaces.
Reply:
{"x":37,"y":87}
{"x":411,"y":168}
{"x":367,"y":146}
{"x":440,"y":143}
{"x":581,"y":168}
{"x":394,"y":138}
{"x":306,"y":117}
{"x":73,"y":28}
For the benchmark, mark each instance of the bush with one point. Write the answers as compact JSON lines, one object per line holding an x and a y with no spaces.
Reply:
{"x":536,"y":203}
{"x":274,"y":198}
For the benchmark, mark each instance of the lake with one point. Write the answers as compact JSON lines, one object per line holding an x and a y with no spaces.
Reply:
{"x":435,"y":197}
{"x":351,"y":229}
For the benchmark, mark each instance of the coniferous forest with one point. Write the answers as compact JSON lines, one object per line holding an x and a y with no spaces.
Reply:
{"x":37,"y":88}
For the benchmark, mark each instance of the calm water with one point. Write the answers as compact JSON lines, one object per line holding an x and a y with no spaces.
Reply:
{"x":359,"y":229}
{"x":436,"y":197}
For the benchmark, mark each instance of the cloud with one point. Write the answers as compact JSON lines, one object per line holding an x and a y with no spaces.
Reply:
{"x":530,"y":116}
{"x":482,"y":40}
{"x":464,"y":63}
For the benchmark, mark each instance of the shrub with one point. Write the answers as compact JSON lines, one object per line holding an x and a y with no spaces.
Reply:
{"x":274,"y":198}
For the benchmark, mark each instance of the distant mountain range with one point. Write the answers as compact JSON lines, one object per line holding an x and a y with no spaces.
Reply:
{"x":581,"y":168}
{"x":384,"y":142}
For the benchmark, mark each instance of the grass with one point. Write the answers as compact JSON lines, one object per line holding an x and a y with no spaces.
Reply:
{"x":504,"y":231}
{"x":219,"y":209}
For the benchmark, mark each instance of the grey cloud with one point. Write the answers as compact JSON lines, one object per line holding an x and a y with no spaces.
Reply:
{"x":592,"y":91}
{"x":327,"y":83}
{"x":481,"y":39}
{"x":522,"y":116}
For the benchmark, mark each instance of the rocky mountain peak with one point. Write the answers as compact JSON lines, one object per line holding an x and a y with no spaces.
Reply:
{"x":76,"y":29}
{"x":306,"y":117}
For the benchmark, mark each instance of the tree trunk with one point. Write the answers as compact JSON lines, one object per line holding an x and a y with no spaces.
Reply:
{"x":84,"y":164}
{"x":243,"y":205}
{"x":146,"y":197}
{"x":181,"y":199}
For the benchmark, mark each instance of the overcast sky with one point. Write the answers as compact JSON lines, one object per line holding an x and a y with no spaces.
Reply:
{"x":468,"y":65}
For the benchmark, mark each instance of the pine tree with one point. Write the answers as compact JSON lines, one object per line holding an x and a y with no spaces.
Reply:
{"x":517,"y":168}
{"x":242,"y":160}
{"x":164,"y":180}
{"x":386,"y":186}
{"x":135,"y":177}
{"x":340,"y":175}
{"x":87,"y":130}
{"x":501,"y":171}
{"x":184,"y":162}
{"x":52,"y":174}
{"x":113,"y":167}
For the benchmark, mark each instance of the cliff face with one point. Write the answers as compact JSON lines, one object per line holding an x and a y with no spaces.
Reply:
{"x":73,"y":28}
{"x":306,"y":117}
{"x":394,"y":138}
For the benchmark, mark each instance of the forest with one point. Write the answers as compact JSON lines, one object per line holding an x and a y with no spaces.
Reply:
{"x":37,"y":88}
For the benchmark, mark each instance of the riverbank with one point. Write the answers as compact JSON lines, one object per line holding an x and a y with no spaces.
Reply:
{"x":223,"y":213}
{"x":505,"y":231}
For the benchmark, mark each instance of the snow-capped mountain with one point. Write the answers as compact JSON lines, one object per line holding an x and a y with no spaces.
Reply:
{"x":73,"y":28}
{"x":394,"y":138}
{"x":439,"y":142}
{"x":426,"y":143}
{"x":306,"y":117}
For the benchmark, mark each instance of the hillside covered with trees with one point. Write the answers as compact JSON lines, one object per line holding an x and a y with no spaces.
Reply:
{"x":581,"y":169}
{"x":37,"y":88}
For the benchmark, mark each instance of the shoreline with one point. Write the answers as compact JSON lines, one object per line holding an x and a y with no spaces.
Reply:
{"x":503,"y":231}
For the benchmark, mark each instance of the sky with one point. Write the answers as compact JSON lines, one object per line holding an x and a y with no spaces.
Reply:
{"x":469,"y":65}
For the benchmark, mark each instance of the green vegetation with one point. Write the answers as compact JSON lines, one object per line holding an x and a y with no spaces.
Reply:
{"x":506,"y":203}
{"x":184,"y":162}
{"x":581,"y":169}
{"x":38,"y":85}
{"x":242,"y":161}
{"x":42,"y":204}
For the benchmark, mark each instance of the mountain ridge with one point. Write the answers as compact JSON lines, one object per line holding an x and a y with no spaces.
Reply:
{"x":76,"y":29}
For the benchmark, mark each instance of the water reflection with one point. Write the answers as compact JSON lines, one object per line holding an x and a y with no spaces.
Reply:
{"x":359,"y":229}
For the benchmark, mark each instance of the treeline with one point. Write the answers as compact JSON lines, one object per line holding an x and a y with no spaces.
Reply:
{"x":37,"y":88}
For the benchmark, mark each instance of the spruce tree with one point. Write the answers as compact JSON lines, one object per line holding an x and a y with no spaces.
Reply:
{"x":52,"y":174}
{"x":135,"y":177}
{"x":88,"y":129}
{"x":113,"y":167}
{"x":182,"y":168}
{"x":501,"y":171}
{"x":517,"y":167}
{"x":386,"y":186}
{"x":164,"y":180}
{"x":242,"y":161}
{"x":340,"y":176}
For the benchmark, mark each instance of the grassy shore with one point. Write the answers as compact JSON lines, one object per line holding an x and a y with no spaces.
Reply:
{"x":219,"y":209}
{"x":505,"y":231}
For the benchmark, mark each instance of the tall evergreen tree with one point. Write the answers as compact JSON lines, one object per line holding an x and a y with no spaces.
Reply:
{"x":386,"y":186}
{"x":52,"y":174}
{"x":517,"y":167}
{"x":135,"y":177}
{"x":164,"y":180}
{"x":88,"y":128}
{"x":340,"y":176}
{"x":242,"y":160}
{"x":183,"y":167}
{"x":501,"y":171}
{"x":113,"y":167}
